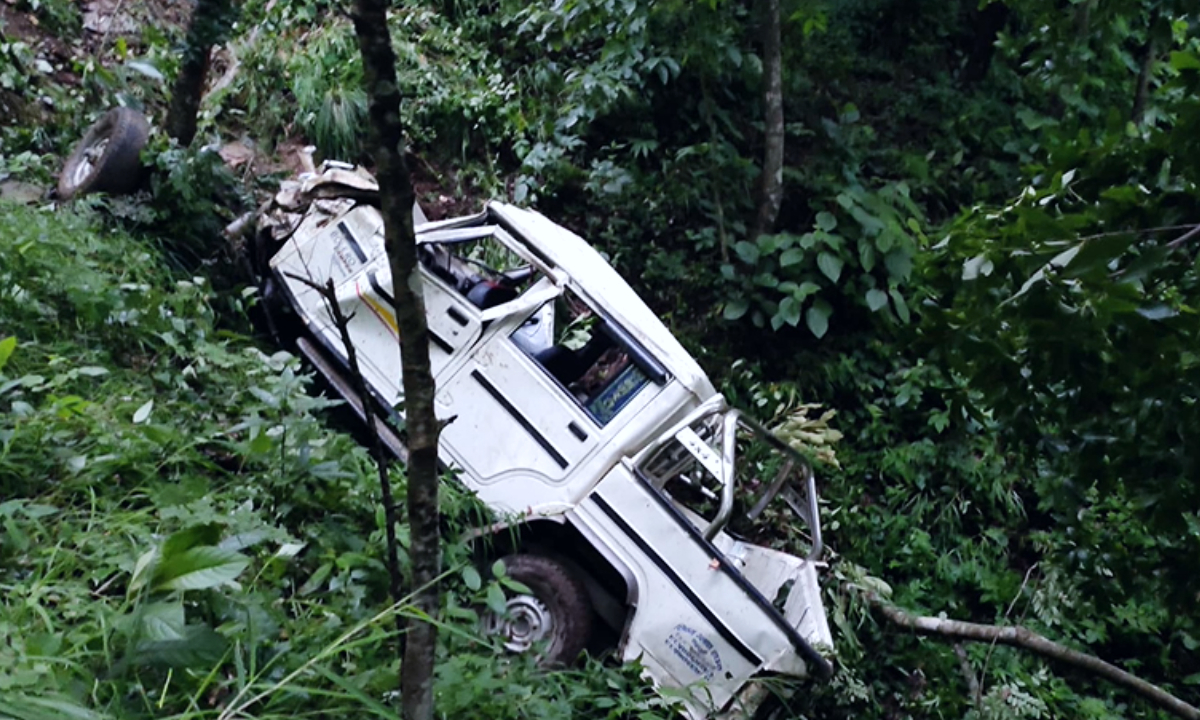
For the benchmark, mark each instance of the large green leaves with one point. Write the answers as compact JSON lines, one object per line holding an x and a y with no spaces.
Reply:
{"x":189,"y":560}
{"x":199,"y":568}
{"x":785,"y":278}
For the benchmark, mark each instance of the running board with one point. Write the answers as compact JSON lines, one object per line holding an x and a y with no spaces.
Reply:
{"x":336,"y":376}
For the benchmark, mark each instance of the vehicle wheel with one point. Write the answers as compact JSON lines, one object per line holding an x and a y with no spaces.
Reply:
{"x":107,"y":158}
{"x":557,"y":614}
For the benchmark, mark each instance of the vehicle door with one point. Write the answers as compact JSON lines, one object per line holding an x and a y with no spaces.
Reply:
{"x":544,"y":390}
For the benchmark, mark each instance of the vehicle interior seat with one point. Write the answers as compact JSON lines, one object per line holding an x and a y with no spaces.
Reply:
{"x":486,"y":294}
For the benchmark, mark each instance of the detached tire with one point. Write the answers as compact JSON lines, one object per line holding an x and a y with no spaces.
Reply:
{"x":556,"y":616}
{"x":107,"y":159}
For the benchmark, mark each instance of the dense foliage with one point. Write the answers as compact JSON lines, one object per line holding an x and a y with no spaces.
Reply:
{"x":983,"y":262}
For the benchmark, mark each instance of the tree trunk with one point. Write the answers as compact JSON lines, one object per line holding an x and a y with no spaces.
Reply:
{"x":1145,"y":71}
{"x":209,"y":25}
{"x":1142,"y":89}
{"x":986,"y":25}
{"x":770,"y":184}
{"x":396,"y":201}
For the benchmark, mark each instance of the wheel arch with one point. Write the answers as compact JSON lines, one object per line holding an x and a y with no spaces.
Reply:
{"x":603,"y":572}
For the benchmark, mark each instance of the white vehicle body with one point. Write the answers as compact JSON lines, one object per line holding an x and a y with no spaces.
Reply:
{"x":597,"y":455}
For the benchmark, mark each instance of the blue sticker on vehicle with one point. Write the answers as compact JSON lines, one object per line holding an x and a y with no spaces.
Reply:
{"x":605,"y":406}
{"x":695,"y":650}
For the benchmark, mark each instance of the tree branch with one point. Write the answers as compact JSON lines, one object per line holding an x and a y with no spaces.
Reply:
{"x":1024,"y":638}
{"x":1007,"y":614}
{"x":395,"y":580}
{"x":1184,"y":238}
{"x":964,"y":663}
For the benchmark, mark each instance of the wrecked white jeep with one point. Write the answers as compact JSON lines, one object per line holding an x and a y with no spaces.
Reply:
{"x":577,"y":416}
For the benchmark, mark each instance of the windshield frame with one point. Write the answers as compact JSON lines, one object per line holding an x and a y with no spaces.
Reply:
{"x":731,"y":420}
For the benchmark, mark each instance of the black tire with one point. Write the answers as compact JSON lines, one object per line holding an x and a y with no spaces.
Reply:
{"x":563,"y":601}
{"x":107,"y":159}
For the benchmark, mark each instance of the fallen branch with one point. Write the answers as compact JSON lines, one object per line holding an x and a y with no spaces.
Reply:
{"x":1021,"y":637}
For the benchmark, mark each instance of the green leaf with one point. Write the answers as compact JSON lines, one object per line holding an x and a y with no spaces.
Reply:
{"x":871,"y":225}
{"x":142,"y":570}
{"x":1157,"y":312}
{"x":789,"y":311}
{"x":791,"y":257}
{"x":833,"y":242}
{"x":199,"y":568}
{"x":498,"y":569}
{"x":471,"y":578}
{"x":143,"y":413}
{"x":876,"y":299}
{"x":826,"y":221}
{"x":976,"y":266}
{"x":495,"y":599}
{"x":747,"y":251}
{"x":515,"y":585}
{"x":190,"y":537}
{"x":317,"y":580}
{"x":146,"y":69}
{"x":831,"y":265}
{"x":1146,"y":263}
{"x":866,"y":256}
{"x":901,"y":305}
{"x":817,"y":319}
{"x":22,"y":707}
{"x":899,"y":264}
{"x":768,"y":244}
{"x":885,"y":242}
{"x":260,"y":444}
{"x":1185,"y":60}
{"x":736,"y":308}
{"x":7,"y":345}
{"x":162,"y":621}
{"x":808,"y":287}
{"x":1096,"y":254}
{"x":766,"y":279}
{"x":200,"y":647}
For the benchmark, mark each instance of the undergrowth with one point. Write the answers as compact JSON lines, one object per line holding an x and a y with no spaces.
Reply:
{"x":183,"y":534}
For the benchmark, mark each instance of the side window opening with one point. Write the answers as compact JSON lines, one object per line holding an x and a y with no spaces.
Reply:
{"x":472,"y":261}
{"x":580,"y":350}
